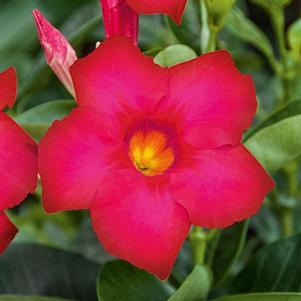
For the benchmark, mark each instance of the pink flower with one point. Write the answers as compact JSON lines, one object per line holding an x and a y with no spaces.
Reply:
{"x":152,"y":150}
{"x":18,"y":159}
{"x":173,"y":8}
{"x":59,"y":53}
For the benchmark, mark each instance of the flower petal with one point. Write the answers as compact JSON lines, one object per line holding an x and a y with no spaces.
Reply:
{"x":214,"y":100}
{"x":18,"y":163}
{"x":73,"y":158}
{"x":221,"y":187}
{"x":136,"y":220}
{"x":173,"y":8}
{"x":8,"y":88}
{"x":59,"y":53}
{"x":116,"y":76}
{"x":7,"y":231}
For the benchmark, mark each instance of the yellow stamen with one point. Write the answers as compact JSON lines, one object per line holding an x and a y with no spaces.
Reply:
{"x":150,"y":152}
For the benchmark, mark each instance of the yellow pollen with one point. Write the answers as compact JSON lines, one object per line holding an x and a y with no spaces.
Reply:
{"x":150,"y":153}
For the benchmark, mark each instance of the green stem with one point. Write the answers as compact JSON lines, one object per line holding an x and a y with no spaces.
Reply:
{"x":198,"y":243}
{"x":211,"y":46}
{"x":287,"y":221}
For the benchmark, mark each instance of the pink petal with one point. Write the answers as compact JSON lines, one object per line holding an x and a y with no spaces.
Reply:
{"x":18,"y":163}
{"x":117,"y":76}
{"x":73,"y":158}
{"x":173,"y":8}
{"x":7,"y":231}
{"x":59,"y":53}
{"x":214,"y":102}
{"x":8,"y":88}
{"x":119,"y":19}
{"x":221,"y":186}
{"x":136,"y":220}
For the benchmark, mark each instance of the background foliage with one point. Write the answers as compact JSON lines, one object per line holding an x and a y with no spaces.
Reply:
{"x":58,"y":256}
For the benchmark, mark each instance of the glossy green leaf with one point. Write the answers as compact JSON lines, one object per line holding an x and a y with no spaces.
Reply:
{"x":29,"y":269}
{"x":38,"y":119}
{"x":196,"y":286}
{"x":121,"y":281}
{"x":29,"y":298}
{"x":278,"y":144}
{"x":174,"y":54}
{"x":226,"y":250}
{"x":262,"y":297}
{"x":275,"y":268}
{"x":293,"y":108}
{"x":294,"y":38}
{"x":247,"y":31}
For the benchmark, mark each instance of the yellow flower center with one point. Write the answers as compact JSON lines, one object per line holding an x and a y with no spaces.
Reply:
{"x":150,"y":152}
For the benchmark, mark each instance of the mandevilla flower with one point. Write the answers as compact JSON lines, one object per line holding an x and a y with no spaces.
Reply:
{"x":152,"y":150}
{"x":18,"y":159}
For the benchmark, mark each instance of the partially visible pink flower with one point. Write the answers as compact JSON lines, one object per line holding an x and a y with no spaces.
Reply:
{"x":152,"y":150}
{"x":173,"y":8}
{"x":59,"y":53}
{"x":18,"y":159}
{"x":119,"y":19}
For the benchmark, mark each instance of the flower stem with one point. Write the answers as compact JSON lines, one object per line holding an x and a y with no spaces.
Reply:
{"x":198,"y":243}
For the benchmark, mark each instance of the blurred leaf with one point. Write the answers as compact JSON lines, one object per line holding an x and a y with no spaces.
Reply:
{"x":184,"y":263}
{"x":29,"y":269}
{"x":294,"y":38}
{"x":31,"y":298}
{"x":121,"y":281}
{"x":266,"y":225}
{"x":262,"y":297}
{"x":293,"y":108}
{"x":174,"y":54}
{"x":243,"y":28}
{"x":227,"y":250}
{"x":188,"y":32}
{"x":196,"y":286}
{"x":276,"y":145}
{"x":275,"y":268}
{"x":270,"y":5}
{"x":38,"y":119}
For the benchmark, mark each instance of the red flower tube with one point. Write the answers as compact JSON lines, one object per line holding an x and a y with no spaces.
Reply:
{"x":18,"y":159}
{"x":119,"y":19}
{"x":152,"y":150}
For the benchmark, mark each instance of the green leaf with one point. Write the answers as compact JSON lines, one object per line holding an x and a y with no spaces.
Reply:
{"x":293,"y":108}
{"x":226,"y":250}
{"x":29,"y":269}
{"x":269,"y":5}
{"x":262,"y":297}
{"x":278,"y":144}
{"x":29,"y":298}
{"x":196,"y":286}
{"x":275,"y":268}
{"x":38,"y":119}
{"x":247,"y":31}
{"x":294,"y":38}
{"x":174,"y":54}
{"x":121,"y":281}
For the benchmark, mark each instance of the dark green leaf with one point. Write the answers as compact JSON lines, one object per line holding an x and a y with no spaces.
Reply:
{"x":29,"y":269}
{"x":196,"y":286}
{"x":29,"y":298}
{"x":229,"y":247}
{"x":278,"y":144}
{"x":244,"y":29}
{"x":38,"y":119}
{"x":262,"y":297}
{"x":121,"y":281}
{"x":174,"y":54}
{"x":275,"y":268}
